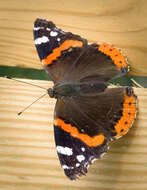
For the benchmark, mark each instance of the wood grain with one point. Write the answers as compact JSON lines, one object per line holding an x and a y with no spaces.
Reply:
{"x":28,"y":158}
{"x":122,"y":23}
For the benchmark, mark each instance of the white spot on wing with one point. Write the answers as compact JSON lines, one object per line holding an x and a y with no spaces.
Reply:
{"x":61,"y":31}
{"x":93,"y":160}
{"x":48,"y":29}
{"x":83,"y":149}
{"x":38,"y":28}
{"x":64,"y":150}
{"x":58,"y":39}
{"x":52,"y":33}
{"x":86,"y":165}
{"x":102,"y":154}
{"x":69,"y":50}
{"x":67,"y":167}
{"x":80,"y":158}
{"x":41,"y":40}
{"x":77,"y":164}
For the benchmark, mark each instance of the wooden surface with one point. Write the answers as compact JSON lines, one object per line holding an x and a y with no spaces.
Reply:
{"x":122,"y":23}
{"x":28,"y":158}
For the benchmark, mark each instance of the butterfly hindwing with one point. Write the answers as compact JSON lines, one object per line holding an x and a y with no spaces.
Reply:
{"x":91,"y":122}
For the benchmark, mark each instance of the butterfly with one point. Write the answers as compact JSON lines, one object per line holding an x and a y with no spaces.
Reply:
{"x":88,"y":114}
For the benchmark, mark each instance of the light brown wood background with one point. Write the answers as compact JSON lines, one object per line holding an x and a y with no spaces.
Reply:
{"x":28,"y":158}
{"x":122,"y":23}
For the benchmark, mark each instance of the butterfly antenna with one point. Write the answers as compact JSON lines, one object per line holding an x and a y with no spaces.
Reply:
{"x":25,"y":82}
{"x":32,"y":104}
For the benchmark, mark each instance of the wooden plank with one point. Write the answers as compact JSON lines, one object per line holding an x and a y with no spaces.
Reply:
{"x":121,"y":23}
{"x":28,"y":158}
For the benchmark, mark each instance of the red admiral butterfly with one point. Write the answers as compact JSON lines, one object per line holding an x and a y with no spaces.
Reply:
{"x":88,"y":115}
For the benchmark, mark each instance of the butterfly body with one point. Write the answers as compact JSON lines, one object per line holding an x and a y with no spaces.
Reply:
{"x":88,"y":115}
{"x":69,"y":89}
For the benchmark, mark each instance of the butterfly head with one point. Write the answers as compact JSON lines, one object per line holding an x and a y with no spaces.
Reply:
{"x":51,"y":93}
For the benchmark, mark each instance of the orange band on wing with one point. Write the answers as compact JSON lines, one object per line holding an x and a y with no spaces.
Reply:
{"x":115,"y":54}
{"x":57,"y":51}
{"x":90,"y":141}
{"x":128,"y":115}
